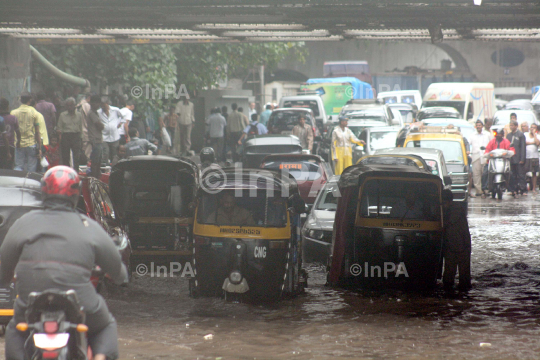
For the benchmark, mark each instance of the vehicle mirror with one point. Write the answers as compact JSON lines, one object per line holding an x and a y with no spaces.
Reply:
{"x":447,"y":180}
{"x":482,"y":148}
{"x":330,"y":117}
{"x":359,"y":148}
{"x":395,"y":122}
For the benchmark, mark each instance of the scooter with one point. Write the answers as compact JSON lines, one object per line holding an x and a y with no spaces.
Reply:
{"x":55,"y":322}
{"x":498,"y":171}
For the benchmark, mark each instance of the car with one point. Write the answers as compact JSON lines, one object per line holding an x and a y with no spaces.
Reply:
{"x":452,"y":144}
{"x":502,"y":118}
{"x":317,"y":230}
{"x":434,"y":158}
{"x":465,"y":127}
{"x":438,"y":112}
{"x":368,"y":110}
{"x":400,"y":97}
{"x":376,"y":138}
{"x":310,"y":171}
{"x":258,"y":147}
{"x":408,"y":111}
{"x":20,"y":193}
{"x":282,"y":122}
{"x":395,"y":160}
{"x":95,"y":202}
{"x":519,"y":104}
{"x":313,"y":102}
{"x":398,"y":119}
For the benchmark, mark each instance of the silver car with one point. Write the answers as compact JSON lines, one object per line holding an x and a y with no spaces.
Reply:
{"x":317,"y":230}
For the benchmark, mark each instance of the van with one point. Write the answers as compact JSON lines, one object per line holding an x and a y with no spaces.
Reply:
{"x":313,"y":102}
{"x":473,"y":100}
{"x":403,"y":96}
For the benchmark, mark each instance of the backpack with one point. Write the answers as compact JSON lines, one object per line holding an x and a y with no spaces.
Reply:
{"x":253,"y":130}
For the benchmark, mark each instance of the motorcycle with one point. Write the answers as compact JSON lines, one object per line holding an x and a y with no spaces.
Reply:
{"x":498,"y":171}
{"x":55,"y":322}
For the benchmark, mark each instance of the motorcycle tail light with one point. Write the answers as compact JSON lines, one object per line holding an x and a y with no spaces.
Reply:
{"x":50,"y":355}
{"x":50,"y":327}
{"x":504,"y":153}
{"x":82,"y":328}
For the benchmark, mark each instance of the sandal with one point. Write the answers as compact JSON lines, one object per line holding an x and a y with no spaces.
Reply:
{"x":483,"y":196}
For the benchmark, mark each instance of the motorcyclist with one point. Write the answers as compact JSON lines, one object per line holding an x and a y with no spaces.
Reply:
{"x":499,"y":142}
{"x":208,"y":157}
{"x":56,"y":248}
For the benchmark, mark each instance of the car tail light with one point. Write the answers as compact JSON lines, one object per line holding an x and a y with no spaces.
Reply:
{"x":50,"y":355}
{"x":50,"y":327}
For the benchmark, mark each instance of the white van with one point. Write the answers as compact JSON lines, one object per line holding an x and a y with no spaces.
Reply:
{"x":313,"y":102}
{"x":472,"y":100}
{"x":402,"y":96}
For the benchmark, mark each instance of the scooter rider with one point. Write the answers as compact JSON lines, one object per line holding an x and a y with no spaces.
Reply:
{"x":499,"y":142}
{"x":56,"y":248}
{"x":208,"y":158}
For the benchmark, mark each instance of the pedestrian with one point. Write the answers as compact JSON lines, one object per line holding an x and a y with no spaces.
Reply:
{"x":84,"y":108}
{"x":139,"y":146}
{"x":95,"y":136}
{"x":478,"y":140}
{"x":252,"y":110}
{"x":265,"y":115}
{"x":69,"y":131}
{"x":246,"y":119}
{"x":215,"y":130}
{"x":532,"y":141}
{"x":456,"y":243}
{"x":304,"y":132}
{"x":236,"y":124}
{"x":48,"y":110}
{"x":517,"y":162}
{"x":53,"y":152}
{"x":341,"y":146}
{"x":253,"y":129}
{"x":42,"y":126}
{"x":225,"y":112}
{"x":121,"y":155}
{"x":170,"y":121}
{"x":112,"y":119}
{"x":7,"y":153}
{"x":487,"y":127}
{"x":28,"y":149}
{"x":186,"y":119}
{"x":127,"y":114}
{"x":499,"y":142}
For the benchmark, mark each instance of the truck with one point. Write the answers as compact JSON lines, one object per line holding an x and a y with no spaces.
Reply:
{"x":474,"y":101}
{"x":336,"y":92}
{"x":355,"y":68}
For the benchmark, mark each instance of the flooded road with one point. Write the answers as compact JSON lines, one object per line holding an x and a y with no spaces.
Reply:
{"x":498,"y":319}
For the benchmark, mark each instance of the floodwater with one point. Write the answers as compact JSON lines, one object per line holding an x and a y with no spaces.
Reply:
{"x":498,"y":319}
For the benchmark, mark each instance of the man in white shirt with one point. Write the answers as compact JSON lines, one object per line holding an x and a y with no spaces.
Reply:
{"x":112,"y":120}
{"x":127,"y":114}
{"x":479,"y":139}
{"x":252,"y":110}
{"x":186,"y":119}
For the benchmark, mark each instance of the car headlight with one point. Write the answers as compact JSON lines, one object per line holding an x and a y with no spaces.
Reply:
{"x":316,"y":234}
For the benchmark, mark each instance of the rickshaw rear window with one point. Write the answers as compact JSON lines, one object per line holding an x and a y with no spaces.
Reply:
{"x":403,"y":200}
{"x":301,"y":170}
{"x":274,"y":149}
{"x":383,"y":160}
{"x":452,"y":150}
{"x":248,"y":208}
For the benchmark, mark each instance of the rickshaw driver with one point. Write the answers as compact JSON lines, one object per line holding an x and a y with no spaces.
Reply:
{"x":408,"y":207}
{"x":229,"y":213}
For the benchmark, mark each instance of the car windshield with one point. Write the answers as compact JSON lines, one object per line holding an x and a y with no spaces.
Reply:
{"x":390,"y":99}
{"x":306,"y":170}
{"x":458,"y":105}
{"x":308,"y":104}
{"x":407,"y":115}
{"x":367,"y":115}
{"x":504,"y":118}
{"x":287,"y":119}
{"x":388,"y":160}
{"x":243,"y":208}
{"x":327,"y":198}
{"x":393,"y":199}
{"x":451,"y":149}
{"x":382,"y":139}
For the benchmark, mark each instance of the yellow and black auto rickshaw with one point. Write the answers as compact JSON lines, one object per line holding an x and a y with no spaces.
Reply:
{"x":246,"y":233}
{"x":388,"y":227}
{"x":152,"y":195}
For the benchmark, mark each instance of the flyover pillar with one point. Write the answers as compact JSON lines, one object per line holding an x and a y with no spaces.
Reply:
{"x":14,"y":67}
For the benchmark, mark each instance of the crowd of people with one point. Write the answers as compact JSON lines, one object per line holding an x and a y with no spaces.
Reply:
{"x":522,"y":139}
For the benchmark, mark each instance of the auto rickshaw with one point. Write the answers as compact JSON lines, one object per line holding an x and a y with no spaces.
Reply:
{"x":247,"y":241}
{"x":388,"y":227}
{"x":151,"y":195}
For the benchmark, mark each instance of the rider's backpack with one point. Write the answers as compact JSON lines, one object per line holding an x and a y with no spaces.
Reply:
{"x":253,"y":130}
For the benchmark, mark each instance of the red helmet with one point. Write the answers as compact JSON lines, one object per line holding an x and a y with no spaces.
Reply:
{"x":61,"y":182}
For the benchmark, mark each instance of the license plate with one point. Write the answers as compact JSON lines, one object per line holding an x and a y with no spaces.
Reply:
{"x":51,"y":341}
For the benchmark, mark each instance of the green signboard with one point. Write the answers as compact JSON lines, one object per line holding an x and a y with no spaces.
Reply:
{"x":333,"y":95}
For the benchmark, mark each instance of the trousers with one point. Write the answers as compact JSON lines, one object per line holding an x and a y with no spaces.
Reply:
{"x":71,"y":143}
{"x":517,"y":178}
